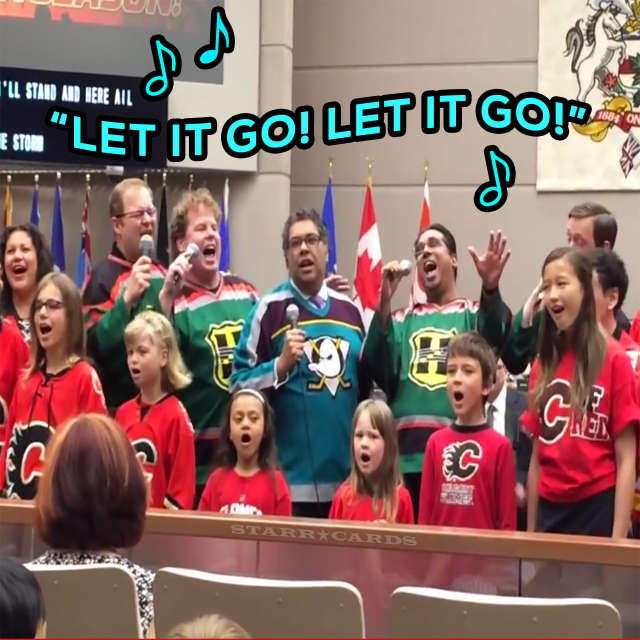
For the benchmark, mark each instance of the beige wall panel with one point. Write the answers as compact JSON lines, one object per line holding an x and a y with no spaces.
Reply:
{"x":275,"y":93}
{"x":333,"y":33}
{"x":277,"y":23}
{"x":456,"y":158}
{"x":534,"y":225}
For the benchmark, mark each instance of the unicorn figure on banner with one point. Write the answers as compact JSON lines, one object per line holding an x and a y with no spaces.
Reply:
{"x":593,"y":45}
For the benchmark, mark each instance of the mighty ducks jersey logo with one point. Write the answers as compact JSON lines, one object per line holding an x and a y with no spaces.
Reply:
{"x":25,"y":458}
{"x":327,"y":358}
{"x":461,"y":460}
{"x":428,"y":366}
{"x":223,"y":338}
{"x":557,"y":415}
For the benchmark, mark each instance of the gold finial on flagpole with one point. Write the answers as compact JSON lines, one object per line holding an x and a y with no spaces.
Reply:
{"x":369,"y":167}
{"x":331,"y":163}
{"x":145,"y":177}
{"x":36,"y":179}
{"x":8,"y":178}
{"x":87,"y":177}
{"x":427,"y":166}
{"x":164,"y":179}
{"x":58,"y":176}
{"x":191,"y":182}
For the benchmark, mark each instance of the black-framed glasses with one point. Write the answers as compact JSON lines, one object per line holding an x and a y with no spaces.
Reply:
{"x":51,"y":305}
{"x":311,"y":240}
{"x":138,"y":214}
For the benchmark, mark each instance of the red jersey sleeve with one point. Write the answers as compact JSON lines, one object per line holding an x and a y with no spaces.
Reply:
{"x":506,"y":488}
{"x":530,"y":419}
{"x":208,"y":500}
{"x":283,"y":497}
{"x":181,"y":462}
{"x":8,"y":433}
{"x":336,"y":511}
{"x":405,"y":507}
{"x":90,"y":396}
{"x":427,"y":484}
{"x":624,"y":409}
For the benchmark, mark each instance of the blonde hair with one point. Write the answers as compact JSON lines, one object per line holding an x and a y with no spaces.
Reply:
{"x":384,"y":482}
{"x":116,"y":199}
{"x":72,"y":306}
{"x":175,"y":374}
{"x":211,"y":626}
{"x":188,"y":201}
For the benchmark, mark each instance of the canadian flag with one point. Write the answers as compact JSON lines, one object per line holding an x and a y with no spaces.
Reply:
{"x":369,"y":264}
{"x":418,"y":295}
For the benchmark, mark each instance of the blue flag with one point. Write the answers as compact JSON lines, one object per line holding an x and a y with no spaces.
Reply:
{"x":34,"y":218}
{"x":57,"y":231}
{"x":225,"y":250}
{"x":327,"y":218}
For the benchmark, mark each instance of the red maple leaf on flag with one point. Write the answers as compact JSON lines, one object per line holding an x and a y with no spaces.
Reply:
{"x":368,"y":287}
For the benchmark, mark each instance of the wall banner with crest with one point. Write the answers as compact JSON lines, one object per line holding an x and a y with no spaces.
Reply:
{"x":589,"y":50}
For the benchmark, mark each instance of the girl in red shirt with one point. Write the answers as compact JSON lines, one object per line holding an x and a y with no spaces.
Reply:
{"x":247,"y":480}
{"x":582,"y":411}
{"x":374,"y":490}
{"x":155,"y":421}
{"x":57,"y":385}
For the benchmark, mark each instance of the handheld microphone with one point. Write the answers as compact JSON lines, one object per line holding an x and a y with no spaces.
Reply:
{"x":146,"y":245}
{"x":405,"y":266}
{"x":293,"y":313}
{"x":192,"y":251}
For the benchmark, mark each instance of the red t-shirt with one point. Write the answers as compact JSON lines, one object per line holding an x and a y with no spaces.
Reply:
{"x":577,"y":455}
{"x":14,"y":355}
{"x":348,"y":505}
{"x":39,"y":405}
{"x":632,"y":349}
{"x":162,"y":436}
{"x":468,"y":479}
{"x":264,"y":493}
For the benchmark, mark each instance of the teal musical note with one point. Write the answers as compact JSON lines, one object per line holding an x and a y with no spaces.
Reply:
{"x":210,"y":55}
{"x":162,"y":51}
{"x":491,"y":195}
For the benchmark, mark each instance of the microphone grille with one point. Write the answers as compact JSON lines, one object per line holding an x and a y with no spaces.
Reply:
{"x":293,"y":313}
{"x":146,"y":241}
{"x":405,"y":265}
{"x":193,"y":249}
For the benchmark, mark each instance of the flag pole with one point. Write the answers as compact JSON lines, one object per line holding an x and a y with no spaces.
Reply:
{"x":331,"y":163}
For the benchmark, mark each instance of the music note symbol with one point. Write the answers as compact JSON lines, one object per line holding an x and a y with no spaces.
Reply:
{"x":491,"y":195}
{"x":161,"y":49}
{"x":211,"y":53}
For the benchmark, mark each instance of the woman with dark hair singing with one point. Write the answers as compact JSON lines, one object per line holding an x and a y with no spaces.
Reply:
{"x":25,"y":258}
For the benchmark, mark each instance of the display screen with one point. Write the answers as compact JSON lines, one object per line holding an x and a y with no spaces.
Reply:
{"x":89,"y":56}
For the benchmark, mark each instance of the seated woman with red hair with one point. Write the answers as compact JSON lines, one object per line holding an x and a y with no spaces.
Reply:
{"x":91,"y":501}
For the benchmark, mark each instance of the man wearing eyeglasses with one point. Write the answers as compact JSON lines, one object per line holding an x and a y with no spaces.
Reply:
{"x":407,"y":349}
{"x":120,"y":286}
{"x":301,"y":343}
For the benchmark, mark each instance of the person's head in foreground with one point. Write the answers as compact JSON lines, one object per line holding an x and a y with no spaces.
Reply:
{"x":22,"y":613}
{"x":92,"y":495}
{"x":211,"y":626}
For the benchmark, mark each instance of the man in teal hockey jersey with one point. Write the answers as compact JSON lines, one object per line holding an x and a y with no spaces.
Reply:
{"x":407,"y":350}
{"x":302,"y":343}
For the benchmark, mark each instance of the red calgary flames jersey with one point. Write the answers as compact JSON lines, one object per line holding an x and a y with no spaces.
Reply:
{"x":162,"y":436}
{"x":41,"y":404}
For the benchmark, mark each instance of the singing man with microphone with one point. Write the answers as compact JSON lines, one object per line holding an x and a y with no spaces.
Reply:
{"x":126,"y":282}
{"x":407,"y":350}
{"x":301,"y":344}
{"x":208,"y":308}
